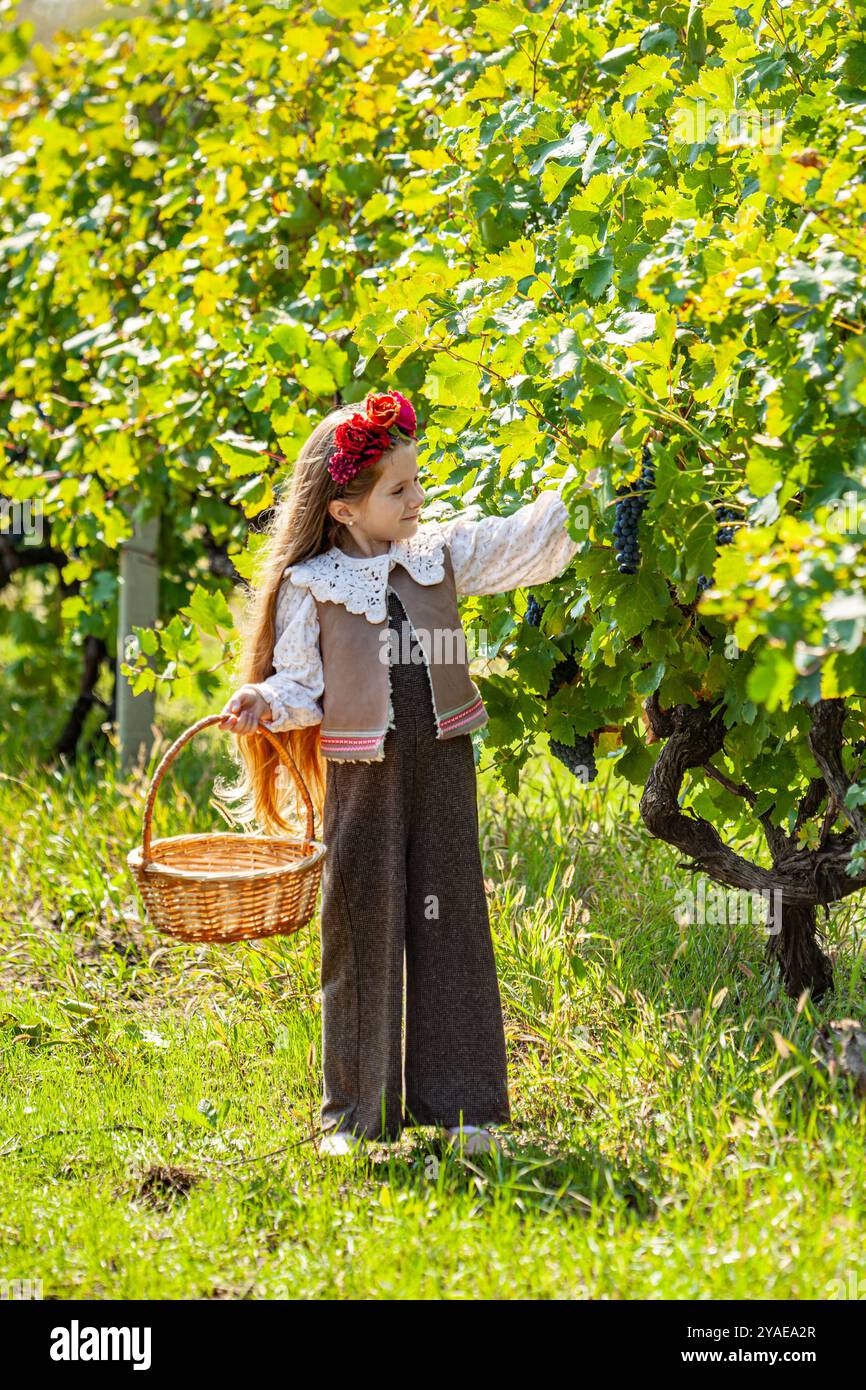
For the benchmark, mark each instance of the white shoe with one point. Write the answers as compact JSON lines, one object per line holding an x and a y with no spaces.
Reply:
{"x":472,"y":1139}
{"x":336,"y":1142}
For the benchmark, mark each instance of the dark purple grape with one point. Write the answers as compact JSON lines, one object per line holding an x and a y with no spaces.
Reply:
{"x":562,"y":674}
{"x":628,"y":514}
{"x":579,"y":759}
{"x":725,"y":533}
{"x":534,"y":610}
{"x":724,"y":536}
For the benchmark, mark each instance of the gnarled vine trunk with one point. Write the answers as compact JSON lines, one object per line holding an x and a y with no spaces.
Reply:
{"x":795,"y":949}
{"x":800,"y":879}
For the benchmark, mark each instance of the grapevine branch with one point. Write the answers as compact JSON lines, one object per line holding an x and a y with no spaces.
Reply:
{"x":811,"y":803}
{"x":776,"y":839}
{"x":694,"y":736}
{"x":825,"y":740}
{"x":803,"y":878}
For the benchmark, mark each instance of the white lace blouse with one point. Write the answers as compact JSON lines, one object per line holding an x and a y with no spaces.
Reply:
{"x":489,"y":555}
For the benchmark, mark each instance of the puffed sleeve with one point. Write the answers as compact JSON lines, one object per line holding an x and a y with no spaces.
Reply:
{"x":494,"y":554}
{"x":295,"y":689}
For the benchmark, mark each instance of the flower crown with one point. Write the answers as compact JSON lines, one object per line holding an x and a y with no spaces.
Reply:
{"x":363,"y":439}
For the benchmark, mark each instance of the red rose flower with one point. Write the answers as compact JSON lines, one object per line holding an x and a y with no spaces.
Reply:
{"x":353,"y":436}
{"x":362,"y":439}
{"x":383,"y":410}
{"x":390,"y":408}
{"x":358,"y":444}
{"x":406,"y":418}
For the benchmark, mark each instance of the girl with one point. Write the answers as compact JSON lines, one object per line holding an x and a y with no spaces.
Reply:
{"x":356,"y":656}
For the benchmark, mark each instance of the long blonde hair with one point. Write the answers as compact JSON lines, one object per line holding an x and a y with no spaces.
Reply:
{"x":301,"y":526}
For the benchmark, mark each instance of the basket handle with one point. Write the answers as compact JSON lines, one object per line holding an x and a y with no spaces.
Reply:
{"x":172,"y":752}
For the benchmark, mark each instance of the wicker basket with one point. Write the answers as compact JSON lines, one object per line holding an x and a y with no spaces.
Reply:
{"x":227,"y":886}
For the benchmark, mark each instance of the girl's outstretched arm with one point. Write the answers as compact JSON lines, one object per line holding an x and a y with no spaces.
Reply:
{"x":295,"y":689}
{"x":494,"y":554}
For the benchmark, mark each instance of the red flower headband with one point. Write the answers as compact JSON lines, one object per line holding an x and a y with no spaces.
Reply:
{"x":365,"y":438}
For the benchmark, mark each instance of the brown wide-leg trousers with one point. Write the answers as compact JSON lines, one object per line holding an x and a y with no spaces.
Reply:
{"x":403,"y":875}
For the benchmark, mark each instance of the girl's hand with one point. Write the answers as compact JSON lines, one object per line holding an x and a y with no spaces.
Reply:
{"x":244,"y":710}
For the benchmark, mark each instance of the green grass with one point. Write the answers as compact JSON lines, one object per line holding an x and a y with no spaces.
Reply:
{"x":673,"y":1137}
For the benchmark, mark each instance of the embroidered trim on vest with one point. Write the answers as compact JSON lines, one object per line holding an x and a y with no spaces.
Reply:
{"x":349,"y":740}
{"x":340,"y":747}
{"x":454,"y":720}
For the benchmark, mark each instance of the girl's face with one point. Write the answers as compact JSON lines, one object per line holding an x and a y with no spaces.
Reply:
{"x":391,"y":508}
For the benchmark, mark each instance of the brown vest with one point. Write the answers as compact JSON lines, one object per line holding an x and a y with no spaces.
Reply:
{"x":356,"y":658}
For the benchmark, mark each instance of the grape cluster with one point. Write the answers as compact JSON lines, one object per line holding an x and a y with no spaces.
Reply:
{"x":726,"y":532}
{"x":562,"y":674}
{"x":724,"y":535}
{"x":534,"y":610}
{"x":628,"y":514}
{"x":580,"y":760}
{"x":565,"y":670}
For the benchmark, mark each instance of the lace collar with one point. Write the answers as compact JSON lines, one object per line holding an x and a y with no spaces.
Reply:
{"x":360,"y":582}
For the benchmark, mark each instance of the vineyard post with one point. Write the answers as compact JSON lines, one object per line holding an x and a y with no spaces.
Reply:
{"x":139,"y":607}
